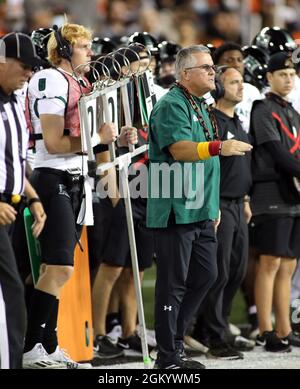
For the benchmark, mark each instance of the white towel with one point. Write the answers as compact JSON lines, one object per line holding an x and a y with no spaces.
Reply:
{"x":86,"y":216}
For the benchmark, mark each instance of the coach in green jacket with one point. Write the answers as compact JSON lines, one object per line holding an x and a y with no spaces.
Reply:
{"x":183,"y":200}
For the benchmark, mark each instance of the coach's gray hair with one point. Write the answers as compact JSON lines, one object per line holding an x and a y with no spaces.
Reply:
{"x":185,"y":59}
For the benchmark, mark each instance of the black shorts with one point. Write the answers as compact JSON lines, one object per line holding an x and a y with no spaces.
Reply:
{"x":275,"y":235}
{"x":61,"y":203}
{"x":110,"y":237}
{"x":98,"y":233}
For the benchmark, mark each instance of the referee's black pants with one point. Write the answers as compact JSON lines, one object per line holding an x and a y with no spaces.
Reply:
{"x":232,"y":257}
{"x":186,"y":269}
{"x":13,"y":295}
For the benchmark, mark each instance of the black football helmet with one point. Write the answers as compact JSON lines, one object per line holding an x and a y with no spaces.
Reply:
{"x":102,"y":66}
{"x":166,"y":75}
{"x":40,"y":38}
{"x":147,"y":40}
{"x":168,"y":51}
{"x":102,"y":46}
{"x":256,"y":64}
{"x":274,"y":39}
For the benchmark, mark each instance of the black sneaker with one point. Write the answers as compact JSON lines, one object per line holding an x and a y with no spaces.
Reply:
{"x":104,"y":348}
{"x":187,"y":364}
{"x":191,"y":362}
{"x":132,"y":345}
{"x":252,"y":319}
{"x":274,"y":344}
{"x":169,"y":367}
{"x":224,"y":351}
{"x":293,"y":338}
{"x":260,"y":340}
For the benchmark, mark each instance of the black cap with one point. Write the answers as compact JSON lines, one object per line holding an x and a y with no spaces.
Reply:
{"x":19,"y":46}
{"x":281,"y":60}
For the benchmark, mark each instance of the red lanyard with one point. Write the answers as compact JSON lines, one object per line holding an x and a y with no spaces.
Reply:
{"x":200,"y":118}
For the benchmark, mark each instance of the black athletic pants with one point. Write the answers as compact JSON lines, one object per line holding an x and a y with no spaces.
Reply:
{"x":186,"y":269}
{"x":13,"y":295}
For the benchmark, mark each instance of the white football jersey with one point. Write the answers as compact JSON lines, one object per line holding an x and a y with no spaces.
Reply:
{"x":294,"y":96}
{"x":48,"y":94}
{"x":243,"y":109}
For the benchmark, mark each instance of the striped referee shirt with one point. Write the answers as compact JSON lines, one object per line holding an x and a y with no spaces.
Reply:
{"x":13,"y":144}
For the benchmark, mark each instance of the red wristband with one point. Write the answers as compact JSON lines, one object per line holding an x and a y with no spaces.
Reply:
{"x":214,"y":147}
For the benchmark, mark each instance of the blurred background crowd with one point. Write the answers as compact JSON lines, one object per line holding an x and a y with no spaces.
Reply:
{"x":185,"y":22}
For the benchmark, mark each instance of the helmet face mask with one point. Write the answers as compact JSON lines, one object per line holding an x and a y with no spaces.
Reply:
{"x":255,"y":62}
{"x":40,"y":39}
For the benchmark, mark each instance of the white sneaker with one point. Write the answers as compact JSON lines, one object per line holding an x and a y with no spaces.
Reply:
{"x":253,"y":334}
{"x":234,"y":330}
{"x":62,"y":357}
{"x":37,"y":358}
{"x":243,"y":344}
{"x":194,"y":344}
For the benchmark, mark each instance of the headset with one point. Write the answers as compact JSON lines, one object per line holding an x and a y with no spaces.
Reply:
{"x":219,"y":92}
{"x":64,"y":47}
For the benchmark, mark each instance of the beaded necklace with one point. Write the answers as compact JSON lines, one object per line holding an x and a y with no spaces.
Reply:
{"x":196,"y":108}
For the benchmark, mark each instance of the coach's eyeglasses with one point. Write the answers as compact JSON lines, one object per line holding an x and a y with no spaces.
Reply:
{"x":207,"y":68}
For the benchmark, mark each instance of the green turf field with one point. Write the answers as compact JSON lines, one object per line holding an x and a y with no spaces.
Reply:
{"x":238,"y":315}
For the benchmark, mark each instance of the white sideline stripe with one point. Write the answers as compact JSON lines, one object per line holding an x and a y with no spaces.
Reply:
{"x":257,"y":359}
{"x":4,"y":350}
